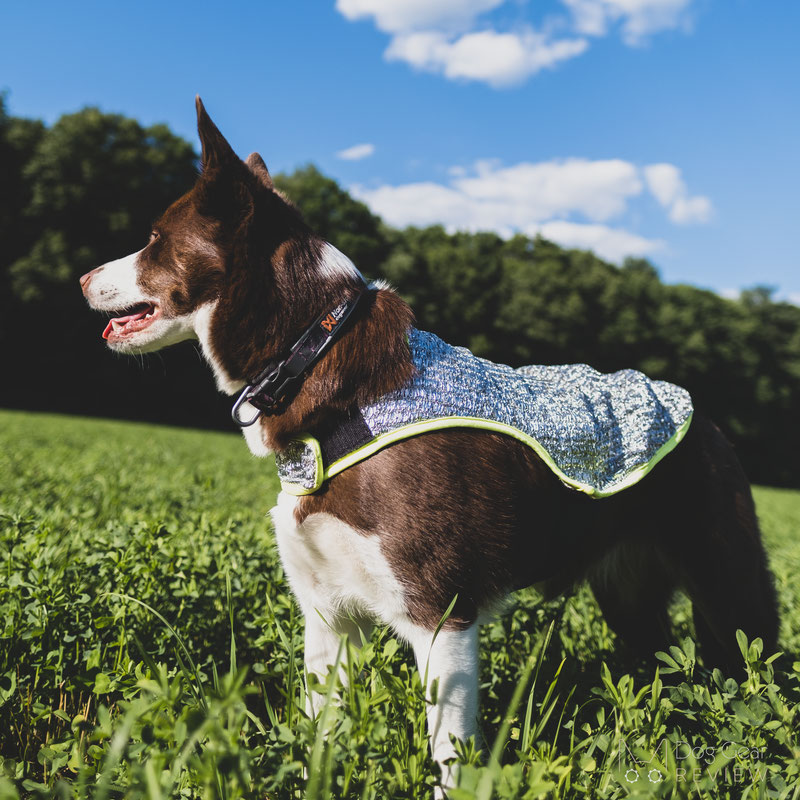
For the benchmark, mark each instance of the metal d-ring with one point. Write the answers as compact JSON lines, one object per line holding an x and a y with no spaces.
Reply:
{"x":240,"y":401}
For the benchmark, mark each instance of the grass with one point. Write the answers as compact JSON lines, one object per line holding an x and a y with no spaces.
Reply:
{"x":149,"y":647}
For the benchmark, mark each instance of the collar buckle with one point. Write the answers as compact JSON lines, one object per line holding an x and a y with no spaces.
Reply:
{"x":273,"y":383}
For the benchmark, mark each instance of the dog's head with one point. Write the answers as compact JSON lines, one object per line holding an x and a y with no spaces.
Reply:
{"x":224,"y":264}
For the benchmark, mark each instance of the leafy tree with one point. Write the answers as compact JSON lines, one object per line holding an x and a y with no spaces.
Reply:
{"x":451,"y":281}
{"x":556,"y":303}
{"x":95,"y":181}
{"x":19,"y":139}
{"x":85,"y":190}
{"x":346,"y":223}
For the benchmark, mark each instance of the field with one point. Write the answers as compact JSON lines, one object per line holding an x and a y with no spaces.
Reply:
{"x":150,"y":648}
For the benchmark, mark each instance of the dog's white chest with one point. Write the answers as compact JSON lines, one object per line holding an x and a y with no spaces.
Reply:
{"x":335,"y":570}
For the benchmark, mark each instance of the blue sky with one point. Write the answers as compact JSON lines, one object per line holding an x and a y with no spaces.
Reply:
{"x":665,"y":128}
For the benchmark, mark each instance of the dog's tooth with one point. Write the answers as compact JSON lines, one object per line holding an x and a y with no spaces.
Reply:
{"x":147,"y":316}
{"x":116,"y":326}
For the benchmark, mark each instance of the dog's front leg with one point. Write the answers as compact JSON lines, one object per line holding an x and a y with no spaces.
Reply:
{"x":322,"y":641}
{"x":451,"y":659}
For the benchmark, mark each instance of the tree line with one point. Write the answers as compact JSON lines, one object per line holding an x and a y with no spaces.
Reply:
{"x":84,"y":191}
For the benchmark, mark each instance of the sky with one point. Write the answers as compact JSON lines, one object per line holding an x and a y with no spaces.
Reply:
{"x":667,"y":129}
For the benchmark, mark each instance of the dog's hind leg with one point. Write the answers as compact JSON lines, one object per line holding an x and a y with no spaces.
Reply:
{"x":722,"y":555}
{"x":450,"y":660}
{"x":731,"y":587}
{"x":633,"y":584}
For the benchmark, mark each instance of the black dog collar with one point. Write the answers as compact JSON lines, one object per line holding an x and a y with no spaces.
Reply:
{"x":275,"y":382}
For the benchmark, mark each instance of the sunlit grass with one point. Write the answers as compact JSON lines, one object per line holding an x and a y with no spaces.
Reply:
{"x":150,"y":648}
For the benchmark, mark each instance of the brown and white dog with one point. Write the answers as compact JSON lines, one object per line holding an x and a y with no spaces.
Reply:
{"x":233,"y":265}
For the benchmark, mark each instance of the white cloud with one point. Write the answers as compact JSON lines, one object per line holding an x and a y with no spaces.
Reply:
{"x":397,"y":16}
{"x":639,"y":18}
{"x":567,"y":201}
{"x":499,"y":59}
{"x":439,"y":36}
{"x":667,"y":186}
{"x":598,"y":190}
{"x":356,"y":152}
{"x":612,"y":244}
{"x":664,"y":182}
{"x":686,"y":210}
{"x":505,"y":199}
{"x":445,"y":37}
{"x":779,"y":297}
{"x":425,"y":203}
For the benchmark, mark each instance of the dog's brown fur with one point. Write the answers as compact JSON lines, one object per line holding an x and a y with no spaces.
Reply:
{"x":505,"y":521}
{"x":459,"y":511}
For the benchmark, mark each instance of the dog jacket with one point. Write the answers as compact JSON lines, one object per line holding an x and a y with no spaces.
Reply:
{"x":598,"y":433}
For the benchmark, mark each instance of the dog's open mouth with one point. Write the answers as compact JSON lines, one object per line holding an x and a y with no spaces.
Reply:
{"x":132,"y":321}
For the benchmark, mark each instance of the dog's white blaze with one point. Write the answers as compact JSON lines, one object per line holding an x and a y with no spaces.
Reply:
{"x":202,"y":329}
{"x":337,"y":573}
{"x":115,"y":286}
{"x":254,"y":434}
{"x":334,"y":263}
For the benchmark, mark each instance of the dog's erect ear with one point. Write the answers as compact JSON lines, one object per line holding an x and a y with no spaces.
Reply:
{"x":257,"y":166}
{"x":216,"y":150}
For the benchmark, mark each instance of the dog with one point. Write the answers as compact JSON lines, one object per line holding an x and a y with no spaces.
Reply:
{"x":460,"y":513}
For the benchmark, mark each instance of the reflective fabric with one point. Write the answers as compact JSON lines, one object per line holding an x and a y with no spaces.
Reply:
{"x":598,"y":432}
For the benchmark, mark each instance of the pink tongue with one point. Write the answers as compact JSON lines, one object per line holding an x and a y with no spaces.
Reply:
{"x":122,"y":321}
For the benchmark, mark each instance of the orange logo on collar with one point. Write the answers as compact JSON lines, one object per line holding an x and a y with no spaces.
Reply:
{"x":329,"y":323}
